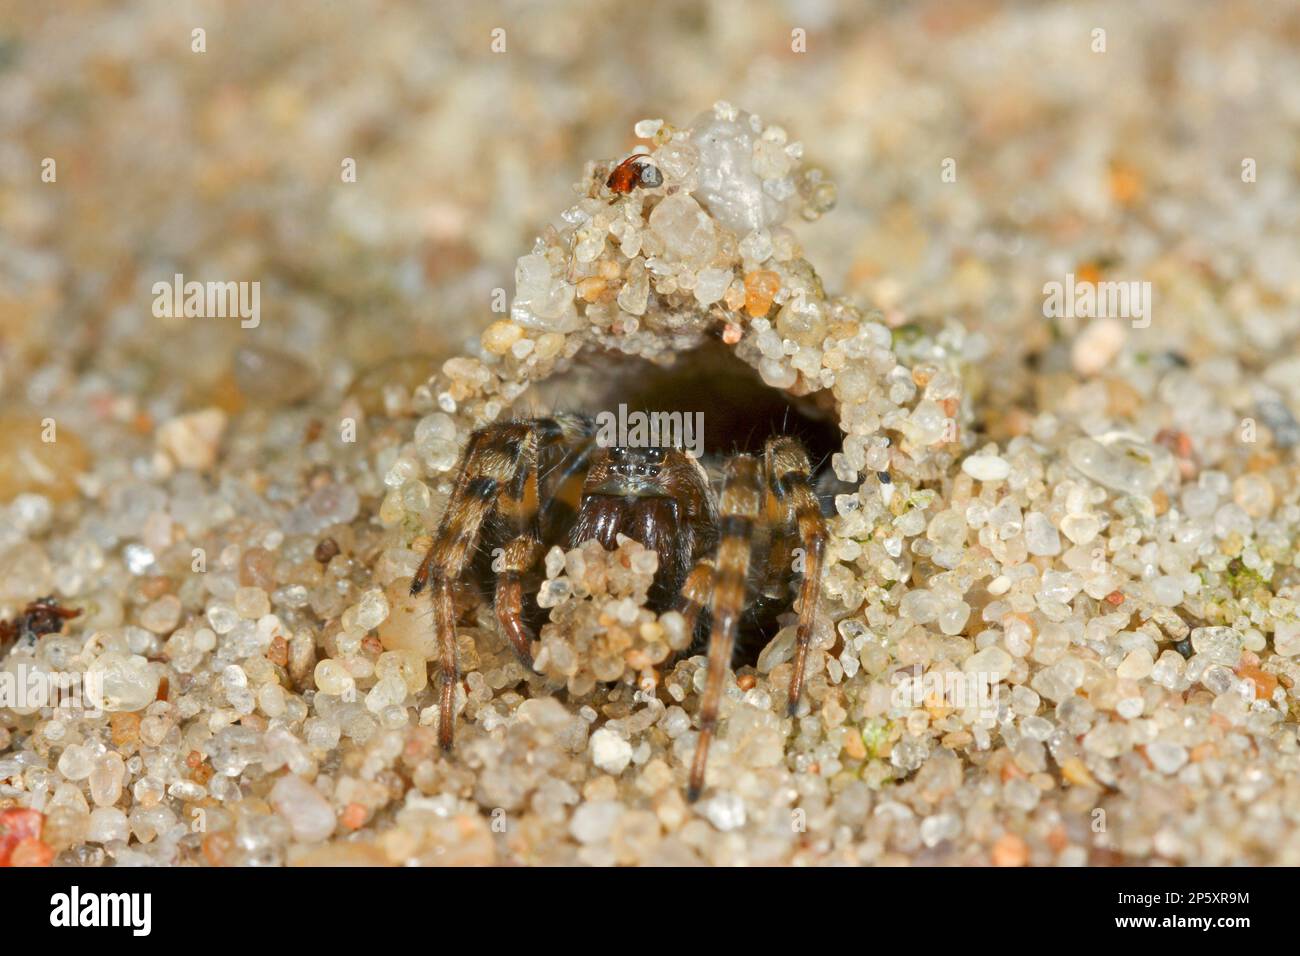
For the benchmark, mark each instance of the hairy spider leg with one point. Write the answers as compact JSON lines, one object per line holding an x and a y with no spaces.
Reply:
{"x":498,"y":473}
{"x":789,"y":476}
{"x":739,"y":509}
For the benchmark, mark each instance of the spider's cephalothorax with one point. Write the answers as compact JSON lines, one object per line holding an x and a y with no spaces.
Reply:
{"x":525,"y":485}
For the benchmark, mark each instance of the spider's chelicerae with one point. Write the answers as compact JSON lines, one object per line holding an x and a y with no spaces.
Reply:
{"x":723,"y":542}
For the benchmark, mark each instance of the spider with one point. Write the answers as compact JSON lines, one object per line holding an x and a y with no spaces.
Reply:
{"x":531,"y":483}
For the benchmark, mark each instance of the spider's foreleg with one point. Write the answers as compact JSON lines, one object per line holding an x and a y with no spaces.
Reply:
{"x":498,"y":472}
{"x":789,"y":476}
{"x":740,"y":505}
{"x":517,"y":510}
{"x":486,"y":463}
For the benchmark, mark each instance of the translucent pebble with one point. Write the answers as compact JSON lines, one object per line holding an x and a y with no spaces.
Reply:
{"x":1219,"y":645}
{"x":1168,"y":670}
{"x":1231,"y":518}
{"x":407,"y":666}
{"x":675,"y":722}
{"x":1167,"y":590}
{"x":122,"y":682}
{"x":147,"y":791}
{"x":321,"y":734}
{"x":309,"y":814}
{"x":610,"y":752}
{"x":153,"y":730}
{"x":1127,"y":466}
{"x":952,"y":619}
{"x":728,"y":184}
{"x":919,"y":605}
{"x":1254,"y":494}
{"x":554,"y":592}
{"x":76,"y":762}
{"x":388,"y":692}
{"x":1136,"y":665}
{"x":1199,"y":501}
{"x":161,"y":616}
{"x":594,"y":821}
{"x":779,"y":650}
{"x":939,"y":827}
{"x":726,"y":811}
{"x":332,"y":503}
{"x":533,"y":277}
{"x":370,"y":611}
{"x":986,"y":467}
{"x":1286,"y":638}
{"x":909,"y":753}
{"x":1021,"y":794}
{"x":711,"y":284}
{"x":1037,"y":728}
{"x":992,"y":662}
{"x":1041,"y":537}
{"x":756,"y":247}
{"x":106,"y":779}
{"x":1217,"y":679}
{"x":1166,"y":757}
{"x":1080,"y":527}
{"x":644,"y":562}
{"x":234,"y":678}
{"x":251,"y":603}
{"x":106,"y":825}
{"x":947,"y":529}
{"x":222,"y":617}
{"x":686,"y":230}
{"x":626,"y":611}
{"x":333,"y":678}
{"x":139,"y":559}
{"x":435,"y":439}
{"x":646,"y":128}
{"x":271,"y":700}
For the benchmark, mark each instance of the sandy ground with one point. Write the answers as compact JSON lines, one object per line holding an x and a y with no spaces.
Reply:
{"x":1105,"y":533}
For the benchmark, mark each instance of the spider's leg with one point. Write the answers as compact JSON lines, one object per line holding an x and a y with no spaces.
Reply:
{"x":517,"y":509}
{"x":740,"y":505}
{"x":789,"y":476}
{"x":490,"y":467}
{"x":696,"y":592}
{"x":484,"y":464}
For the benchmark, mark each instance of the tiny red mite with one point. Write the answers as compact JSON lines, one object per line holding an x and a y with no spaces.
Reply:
{"x":632,"y":172}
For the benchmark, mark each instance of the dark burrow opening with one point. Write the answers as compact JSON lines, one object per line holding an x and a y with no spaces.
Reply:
{"x":740,"y":413}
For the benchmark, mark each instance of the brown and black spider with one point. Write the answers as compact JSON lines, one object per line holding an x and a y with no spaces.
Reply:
{"x":532,"y":483}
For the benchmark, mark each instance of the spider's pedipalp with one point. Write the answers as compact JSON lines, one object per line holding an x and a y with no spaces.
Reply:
{"x":789,"y":476}
{"x":739,"y":510}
